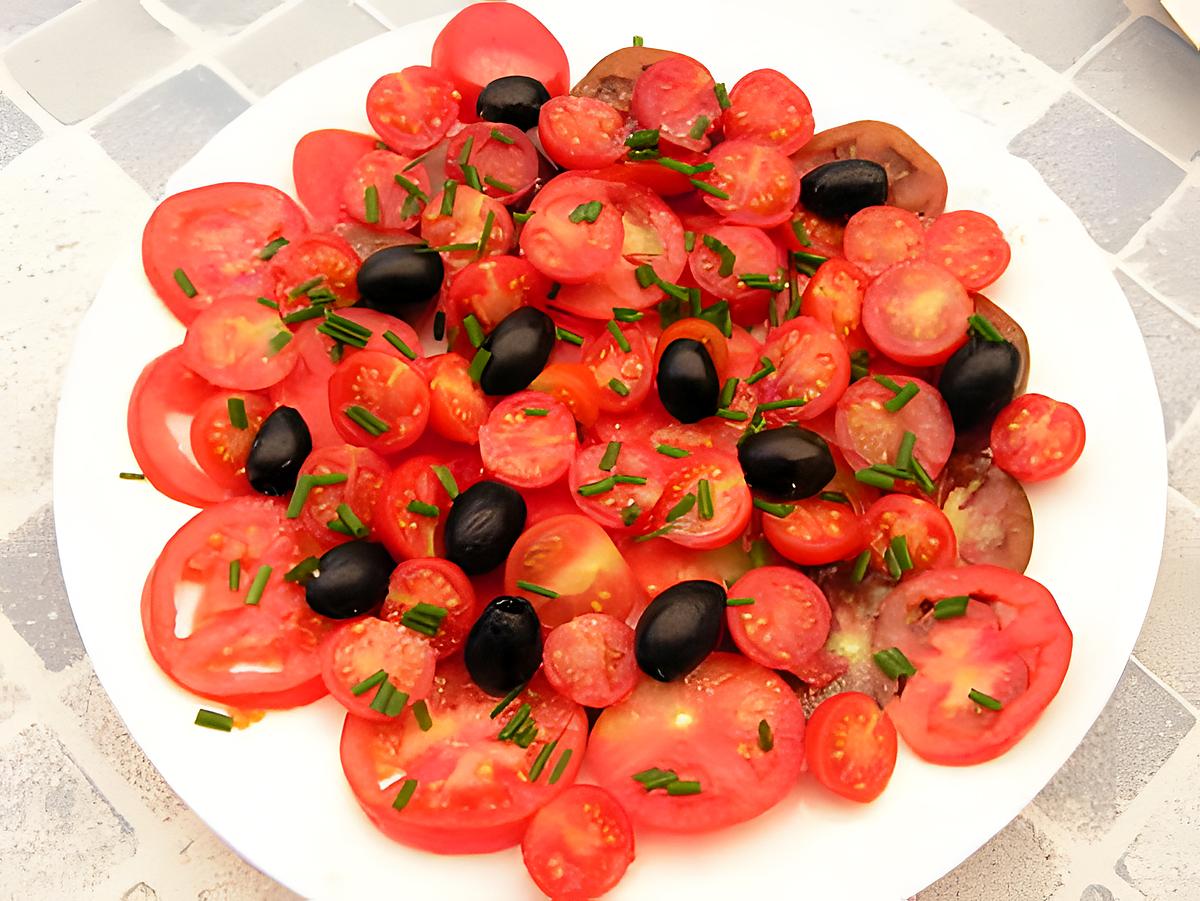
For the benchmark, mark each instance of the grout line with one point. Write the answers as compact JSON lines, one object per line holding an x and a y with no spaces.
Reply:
{"x":1179,"y":699}
{"x":1095,"y":104}
{"x":1088,"y":55}
{"x":1193,"y":419}
{"x":1190,"y":318}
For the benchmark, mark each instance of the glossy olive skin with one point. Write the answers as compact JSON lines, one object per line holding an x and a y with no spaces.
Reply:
{"x":840,"y":189}
{"x":279,"y":450}
{"x":520,"y":346}
{"x":352,"y":579}
{"x":789,"y":462}
{"x":515,"y":99}
{"x":400,"y":281}
{"x":679,"y":629}
{"x":687,"y":381}
{"x":504,"y":647}
{"x":979,"y":380}
{"x":483,"y":524}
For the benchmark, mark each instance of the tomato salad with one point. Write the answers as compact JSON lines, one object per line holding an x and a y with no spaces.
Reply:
{"x":639,"y":426}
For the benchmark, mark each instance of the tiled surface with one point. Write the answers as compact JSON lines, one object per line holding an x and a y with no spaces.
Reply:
{"x":103,"y":98}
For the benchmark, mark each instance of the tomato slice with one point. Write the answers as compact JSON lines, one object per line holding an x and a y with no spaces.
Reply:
{"x":372,"y":195}
{"x":238,"y":343}
{"x":879,"y":237}
{"x":731,"y":501}
{"x":834,"y":297}
{"x":526,"y":449}
{"x":322,"y":353}
{"x":590,"y":660}
{"x":1013,"y":645}
{"x":719,"y":272}
{"x":202,"y":243}
{"x":787,"y":622}
{"x":811,"y":233}
{"x":811,"y":365}
{"x":816,"y":532}
{"x":613,"y":77}
{"x":676,"y":96}
{"x":581,"y":132}
{"x":412,"y":109}
{"x":320,"y":163}
{"x":470,"y":213}
{"x":572,"y":384}
{"x":492,"y":288}
{"x":579,"y":845}
{"x":407,"y":533}
{"x":327,"y":258}
{"x":365,"y":473}
{"x":570,"y":249}
{"x":704,"y":728}
{"x":385,"y":393}
{"x":458,"y":408}
{"x":658,"y":565}
{"x":989,"y":511}
{"x":438,"y":583}
{"x":203,"y":633}
{"x":474,"y":793}
{"x":307,"y":393}
{"x":220,"y":447}
{"x":869,"y":433}
{"x":767,"y":106}
{"x":916,"y":313}
{"x":606,"y":361}
{"x":928,"y":536}
{"x":355,"y":651}
{"x":611,"y":507}
{"x":970,"y":245}
{"x":751,"y":184}
{"x":505,"y":160}
{"x":1036,"y":438}
{"x":850,"y":745}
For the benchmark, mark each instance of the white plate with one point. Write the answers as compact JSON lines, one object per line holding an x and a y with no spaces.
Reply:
{"x":275,"y":792}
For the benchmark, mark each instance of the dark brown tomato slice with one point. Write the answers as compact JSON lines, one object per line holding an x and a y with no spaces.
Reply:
{"x":768,"y":107}
{"x":458,"y":408}
{"x":611,"y":506}
{"x":811,"y":233}
{"x":731,"y":501}
{"x":308,"y":393}
{"x":322,"y":353}
{"x":787,"y":622}
{"x":474,"y":793}
{"x":676,"y":96}
{"x":590,"y":660}
{"x":1012,"y":332}
{"x":320,"y":163}
{"x":571,"y":384}
{"x":438,"y":583}
{"x":811,"y":365}
{"x":219,"y":446}
{"x":203,"y":243}
{"x":528,"y":449}
{"x":624,"y":378}
{"x":850,"y":745}
{"x":582,"y":132}
{"x":412,"y":109}
{"x":612,"y":79}
{"x":868,"y":433}
{"x":916,"y":313}
{"x":724,"y":254}
{"x":751,"y":184}
{"x":378,"y":401}
{"x":492,"y":288}
{"x":372,"y":195}
{"x":970,"y":245}
{"x":1036,"y":438}
{"x":315,"y":262}
{"x":357,"y":650}
{"x":915,"y":180}
{"x":404,"y":524}
{"x":989,"y":511}
{"x":470,"y":214}
{"x":879,"y":237}
{"x":816,"y":532}
{"x":833,"y":297}
{"x":505,"y":160}
{"x":579,"y":845}
{"x":239,"y":343}
{"x":928,"y":536}
{"x":705,"y":729}
{"x":365,"y":473}
{"x":567,"y":248}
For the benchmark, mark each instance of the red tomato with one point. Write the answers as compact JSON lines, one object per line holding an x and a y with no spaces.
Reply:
{"x":202,"y":243}
{"x":1013,"y":645}
{"x":506,"y":166}
{"x":788,"y":621}
{"x":696,"y":330}
{"x":372,"y":195}
{"x":568,"y":249}
{"x":571,"y":384}
{"x":590,"y":660}
{"x":928,"y":534}
{"x":658,"y":565}
{"x":879,"y":237}
{"x":492,"y":288}
{"x":745,"y":354}
{"x":528,"y":450}
{"x":430,"y":580}
{"x":811,"y":364}
{"x":408,"y":534}
{"x":754,"y":184}
{"x":731,"y":501}
{"x":239,"y":343}
{"x":609,"y":508}
{"x":473,"y":792}
{"x":970,"y":245}
{"x":220,"y":447}
{"x":365,"y":473}
{"x":307,"y":393}
{"x":206,"y":637}
{"x":322,"y":353}
{"x":704,"y":728}
{"x":916,"y":313}
{"x":458,"y":408}
{"x":325,"y":257}
{"x":579,"y":845}
{"x":357,"y":650}
{"x":868,"y":433}
{"x":768,"y":107}
{"x":658,"y":178}
{"x":816,"y":532}
{"x":834,"y":298}
{"x":606,"y":361}
{"x":581,"y":132}
{"x":392,"y":393}
{"x":572,"y":557}
{"x":412,"y":109}
{"x":487,"y":41}
{"x":850,"y":745}
{"x":1036,"y":438}
{"x":468,"y":217}
{"x":749,"y":250}
{"x":320,"y":163}
{"x":812,"y":233}
{"x":676,"y":95}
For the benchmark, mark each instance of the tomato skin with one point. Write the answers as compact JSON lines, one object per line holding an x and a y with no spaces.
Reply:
{"x":696,"y":330}
{"x":524,"y":450}
{"x":879,"y":237}
{"x":810,"y":363}
{"x":590,"y":660}
{"x":221,"y":448}
{"x":465,"y":225}
{"x":581,"y":132}
{"x":731,"y":500}
{"x":571,"y":384}
{"x":929,"y":536}
{"x":393,"y":208}
{"x":989,"y":511}
{"x":916,"y":313}
{"x":513,"y":162}
{"x":850,"y":745}
{"x":767,"y":106}
{"x":753,"y":251}
{"x":360,"y":648}
{"x":230,"y":345}
{"x":406,"y":534}
{"x":412,"y":109}
{"x":568,"y":251}
{"x":834,"y":298}
{"x":868,"y":434}
{"x":366,"y":473}
{"x":788,"y":621}
{"x":432,"y":580}
{"x":317,"y":349}
{"x":390,"y":389}
{"x":307,"y":392}
{"x":320,"y":163}
{"x":458,"y":408}
{"x":970,"y":245}
{"x":1036,"y":438}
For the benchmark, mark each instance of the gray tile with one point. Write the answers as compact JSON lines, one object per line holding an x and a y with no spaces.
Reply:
{"x":18,"y":16}
{"x":401,"y":12}
{"x":305,"y":34}
{"x":54,"y":820}
{"x":1170,"y":258}
{"x":1163,"y":862}
{"x":88,"y":57}
{"x":156,"y":132}
{"x":1056,"y":33}
{"x":1019,"y":863}
{"x":1110,"y":178}
{"x":1139,"y":729}
{"x":1183,"y":465}
{"x":1150,"y":77}
{"x":1096,"y":893}
{"x":222,"y":16}
{"x":32,"y":594}
{"x":1174,"y":346}
{"x":17,"y":131}
{"x":11,"y":696}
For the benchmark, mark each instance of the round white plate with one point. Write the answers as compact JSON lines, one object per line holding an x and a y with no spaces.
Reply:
{"x":275,"y":792}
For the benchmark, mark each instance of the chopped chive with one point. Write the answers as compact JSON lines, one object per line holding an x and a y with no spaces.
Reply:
{"x":651,"y":153}
{"x":383,"y":695}
{"x":471,"y":177}
{"x":366,"y":420}
{"x":537,"y":589}
{"x":304,"y":314}
{"x":338,"y":334}
{"x":722,"y":250}
{"x":540,"y":761}
{"x":655,"y":778}
{"x":356,"y":526}
{"x":611,"y":453}
{"x":758,"y":553}
{"x":347,"y":325}
{"x":555,"y":287}
{"x":727,"y":392}
{"x":522,"y":218}
{"x":773,"y":312}
{"x":478,"y":364}
{"x":774,"y":509}
{"x":586,"y":212}
{"x":278,"y":343}
{"x":371,"y":204}
{"x":801,"y":232}
{"x":395,"y":706}
{"x":904,"y":456}
{"x":336,"y":525}
{"x":439,"y":325}
{"x":299,"y":496}
{"x":421,"y":714}
{"x":267,"y":302}
{"x":131,"y":476}
{"x":689,"y":241}
{"x":734,"y":415}
{"x":899,"y":549}
{"x":449,"y":192}
{"x":624,"y":314}
{"x":893,"y":565}
{"x":622,"y":342}
{"x":629,"y":480}
{"x":210,"y":719}
{"x":235,"y":574}
{"x":758,"y":375}
{"x":630,"y":514}
{"x":699,"y":127}
{"x":474,"y":330}
{"x":907,"y":393}
{"x":738,"y":602}
{"x":619,"y":386}
{"x":486,"y":234}
{"x":683,"y":508}
{"x":464,"y":155}
{"x":498,"y":135}
{"x":812,"y":260}
{"x":887,"y":382}
{"x":704,"y":498}
{"x":397,"y":342}
{"x":895,"y":472}
{"x":638,"y":41}
{"x":502,"y":187}
{"x":304,"y":287}
{"x":766,"y":739}
{"x":723,"y":100}
{"x":405,"y":794}
{"x":446,"y":477}
{"x":860,"y":567}
{"x":643,"y":139}
{"x":236,"y":408}
{"x":708,"y":189}
{"x":657,"y":533}
{"x":693,"y":297}
{"x":259,"y":585}
{"x":875,"y":479}
{"x":302,"y":570}
{"x":591,"y":489}
{"x":422,"y":509}
{"x":413,"y":189}
{"x":982,"y":326}
{"x":718,"y":315}
{"x":921,"y":477}
{"x":645,"y":275}
{"x":536,"y":411}
{"x":949,"y":608}
{"x":894,"y":664}
{"x":668,"y":450}
{"x":835,"y":496}
{"x":368,"y":683}
{"x":678,"y":166}
{"x":516,"y":723}
{"x":782,"y":404}
{"x":525,"y":737}
{"x":272,"y":248}
{"x":185,"y":283}
{"x":506,"y":700}
{"x":569,"y":336}
{"x":683,"y":788}
{"x":561,"y":766}
{"x":984,"y":700}
{"x":860,"y":360}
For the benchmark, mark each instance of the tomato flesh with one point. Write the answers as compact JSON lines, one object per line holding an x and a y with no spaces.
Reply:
{"x":916,"y":313}
{"x":412,"y":109}
{"x":928,"y":536}
{"x":787,"y":622}
{"x":590,"y":660}
{"x":220,"y":447}
{"x":579,"y":845}
{"x":581,"y":132}
{"x":438,"y":583}
{"x":751,"y":184}
{"x":356,"y":651}
{"x":393,"y":395}
{"x":526,"y":449}
{"x":365,"y":473}
{"x":767,"y":106}
{"x":1036,"y":438}
{"x":851,"y":746}
{"x":970,"y":245}
{"x":239,"y":343}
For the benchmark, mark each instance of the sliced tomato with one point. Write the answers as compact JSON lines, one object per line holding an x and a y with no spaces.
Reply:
{"x":834,"y":298}
{"x":407,"y":533}
{"x":365,"y":473}
{"x":491,"y":288}
{"x":412,"y":109}
{"x":731,"y":501}
{"x":811,"y":365}
{"x":307,"y":392}
{"x":567,"y":248}
{"x":371,"y":193}
{"x":751,"y":184}
{"x":1036,"y":438}
{"x":989,"y":511}
{"x":723,"y":254}
{"x":606,"y":361}
{"x":470,"y":213}
{"x":439,"y":583}
{"x":704,"y":728}
{"x":928,"y":536}
{"x":745,"y":354}
{"x":658,"y":178}
{"x":505,"y":160}
{"x":787,"y":622}
{"x":916,"y":313}
{"x":676,"y":96}
{"x":203,"y":633}
{"x":970,"y":245}
{"x":239,"y":343}
{"x":816,"y":532}
{"x":327,"y":258}
{"x":458,"y":408}
{"x":612,"y":506}
{"x":811,"y":233}
{"x":322,"y":353}
{"x":220,"y":447}
{"x":320,"y":163}
{"x":879,"y":237}
{"x":571,"y":384}
{"x":767,"y":106}
{"x":355,"y":651}
{"x":579,"y":845}
{"x":581,"y":132}
{"x":868,"y":433}
{"x":203,"y":243}
{"x":474,"y":793}
{"x":590,"y":660}
{"x":658,"y":565}
{"x":850,"y":745}
{"x":526,"y":449}
{"x":385,"y":390}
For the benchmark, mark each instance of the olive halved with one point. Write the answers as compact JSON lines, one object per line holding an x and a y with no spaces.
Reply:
{"x":979,"y":380}
{"x":401,"y":280}
{"x":679,"y":629}
{"x":519,"y":346}
{"x":504,"y":647}
{"x":514,"y":99}
{"x":279,"y":450}
{"x":483,"y":525}
{"x":840,"y":189}
{"x":687,"y":381}
{"x":789,"y":462}
{"x":351,"y":579}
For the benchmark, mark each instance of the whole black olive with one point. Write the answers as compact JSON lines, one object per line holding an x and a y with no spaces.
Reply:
{"x":400,"y":281}
{"x":504,"y":647}
{"x":789,"y":462}
{"x":279,"y":450}
{"x":515,"y":99}
{"x":840,"y":189}
{"x":483,"y":524}
{"x":979,"y":380}
{"x":687,"y":381}
{"x":351,"y":580}
{"x":520,"y":346}
{"x":679,"y":629}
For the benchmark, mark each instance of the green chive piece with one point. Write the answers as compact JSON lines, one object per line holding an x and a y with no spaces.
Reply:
{"x":479,"y":363}
{"x":759,"y":554}
{"x":677,"y":165}
{"x":471,"y":177}
{"x":278,"y":343}
{"x":630,"y":514}
{"x":983,"y":327}
{"x":949,"y":608}
{"x":185,"y":283}
{"x":474,"y":330}
{"x":561,"y":766}
{"x":366,"y":420}
{"x":424,"y":618}
{"x":506,"y":700}
{"x":801,"y":232}
{"x":766,"y":739}
{"x":368,"y":683}
{"x":272,"y":248}
{"x":537,"y":589}
{"x":421,"y":714}
{"x":540,"y":762}
{"x":586,"y":212}
{"x":536,"y":411}
{"x":984,"y":700}
{"x":904,"y":456}
{"x":611,"y":453}
{"x":645,"y":275}
{"x":859,"y":361}
{"x":299,"y":496}
{"x":371,"y":204}
{"x":638,"y":41}
{"x":302,"y":570}
{"x":439,"y":325}
{"x":614,"y":329}
{"x":722,"y":250}
{"x":383,"y":696}
{"x":693,"y":296}
{"x":396,"y":705}
{"x":758,"y":375}
{"x":643,"y":139}
{"x":887,"y":382}
{"x":525,"y":737}
{"x":727,"y":392}
{"x":624,"y":314}
{"x":774,"y":509}
{"x":899,"y":549}
{"x":346,"y":325}
{"x":894,"y":471}
{"x":629,"y":480}
{"x":502,"y":187}
{"x":683,"y":788}
{"x":449,"y":192}
{"x":258,"y":586}
{"x":338,"y":334}
{"x":522,"y":218}
{"x":447,"y":479}
{"x":405,"y":794}
{"x":486,"y":234}
{"x":336,"y":525}
{"x":894,"y":664}
{"x":619,"y":386}
{"x":921,"y":477}
{"x":773,"y":312}
{"x":682,"y":508}
{"x":708,"y":189}
{"x":304,"y":287}
{"x":304,"y":314}
{"x":875,"y":479}
{"x":892,"y":564}
{"x":812,"y":260}
{"x":591,"y":489}
{"x":734,"y":415}
{"x":210,"y":719}
{"x":517,"y":722}
{"x":236,"y":407}
{"x":655,"y":778}
{"x":689,"y":241}
{"x":498,"y":135}
{"x":718,"y":315}
{"x":738,"y":602}
{"x":835,"y":496}
{"x":704,"y":498}
{"x":699,"y":127}
{"x":131,"y":476}
{"x":668,"y":450}
{"x":422,"y":509}
{"x":860,"y":567}
{"x":657,"y":533}
{"x":782,"y":404}
{"x":413,"y":189}
{"x":568,"y":336}
{"x":235,"y":574}
{"x":356,"y":526}
{"x":722,"y":95}
{"x":651,"y":153}
{"x":397,"y":342}
{"x":907,"y":393}
{"x":464,"y":155}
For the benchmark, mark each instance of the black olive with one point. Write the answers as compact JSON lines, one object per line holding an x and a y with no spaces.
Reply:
{"x":679,"y":629}
{"x":979,"y":380}
{"x":520,"y":346}
{"x":351,"y":579}
{"x":504,"y":647}
{"x":483,"y":524}
{"x":687,"y":381}
{"x":279,"y":450}
{"x":515,"y":99}
{"x":400,"y":281}
{"x":788,"y":462}
{"x":840,"y":189}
